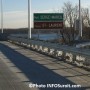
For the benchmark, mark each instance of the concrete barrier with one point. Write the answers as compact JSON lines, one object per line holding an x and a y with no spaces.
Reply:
{"x":78,"y":56}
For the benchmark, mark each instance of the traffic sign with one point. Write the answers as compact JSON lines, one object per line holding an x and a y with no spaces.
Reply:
{"x":48,"y":17}
{"x":48,"y":25}
{"x":48,"y":20}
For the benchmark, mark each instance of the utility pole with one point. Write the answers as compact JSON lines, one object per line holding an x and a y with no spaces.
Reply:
{"x":80,"y":21}
{"x":29,"y":19}
{"x":1,"y":16}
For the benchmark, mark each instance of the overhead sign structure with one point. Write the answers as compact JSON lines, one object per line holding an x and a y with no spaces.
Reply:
{"x":48,"y":20}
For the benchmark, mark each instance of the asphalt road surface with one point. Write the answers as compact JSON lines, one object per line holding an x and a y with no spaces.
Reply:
{"x":19,"y":67}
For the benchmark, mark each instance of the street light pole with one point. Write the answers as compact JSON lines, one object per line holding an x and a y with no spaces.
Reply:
{"x":80,"y":21}
{"x":29,"y":23}
{"x":1,"y":16}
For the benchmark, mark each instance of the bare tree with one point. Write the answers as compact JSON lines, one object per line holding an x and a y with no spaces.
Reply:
{"x":85,"y":17}
{"x":71,"y":14}
{"x":69,"y":17}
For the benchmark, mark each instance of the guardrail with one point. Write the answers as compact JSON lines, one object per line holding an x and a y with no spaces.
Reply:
{"x":78,"y":56}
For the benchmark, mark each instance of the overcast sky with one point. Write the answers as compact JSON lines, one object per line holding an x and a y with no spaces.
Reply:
{"x":15,"y":11}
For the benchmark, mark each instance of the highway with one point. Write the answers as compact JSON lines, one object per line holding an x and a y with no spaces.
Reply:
{"x":20,"y":66}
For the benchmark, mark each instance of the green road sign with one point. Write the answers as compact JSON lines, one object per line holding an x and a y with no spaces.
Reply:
{"x":38,"y":17}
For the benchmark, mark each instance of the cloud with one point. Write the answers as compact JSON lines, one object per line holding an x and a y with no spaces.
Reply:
{"x":85,"y":5}
{"x":42,"y":11}
{"x":52,"y":10}
{"x":15,"y":19}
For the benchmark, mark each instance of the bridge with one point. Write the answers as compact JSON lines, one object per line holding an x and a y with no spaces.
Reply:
{"x":24,"y":62}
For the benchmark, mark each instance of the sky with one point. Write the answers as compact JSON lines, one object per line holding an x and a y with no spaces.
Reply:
{"x":40,"y":5}
{"x":15,"y":11}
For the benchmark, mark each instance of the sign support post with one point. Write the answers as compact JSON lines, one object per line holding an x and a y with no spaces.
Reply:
{"x":29,"y":22}
{"x":1,"y":17}
{"x":80,"y":21}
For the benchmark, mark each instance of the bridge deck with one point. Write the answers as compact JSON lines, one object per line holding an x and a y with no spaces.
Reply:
{"x":19,"y":66}
{"x":8,"y":79}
